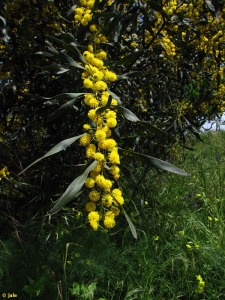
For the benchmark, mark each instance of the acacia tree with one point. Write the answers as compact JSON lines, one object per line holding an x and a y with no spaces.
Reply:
{"x":139,"y":75}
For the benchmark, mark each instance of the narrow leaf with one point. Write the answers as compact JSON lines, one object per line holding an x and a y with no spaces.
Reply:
{"x":56,"y":69}
{"x":115,"y":96}
{"x":62,"y":110}
{"x":158,"y":163}
{"x":151,"y":127}
{"x":73,"y":189}
{"x":71,"y":48}
{"x":129,"y":115}
{"x":56,"y":149}
{"x":65,"y":97}
{"x":210,"y":5}
{"x":131,"y":225}
{"x":130,"y":59}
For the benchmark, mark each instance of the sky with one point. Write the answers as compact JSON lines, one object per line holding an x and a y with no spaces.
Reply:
{"x":208,"y":124}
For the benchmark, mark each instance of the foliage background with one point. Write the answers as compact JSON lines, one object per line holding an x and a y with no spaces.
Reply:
{"x":169,"y":58}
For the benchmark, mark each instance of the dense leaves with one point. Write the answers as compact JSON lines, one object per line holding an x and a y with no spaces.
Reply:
{"x":169,"y":60}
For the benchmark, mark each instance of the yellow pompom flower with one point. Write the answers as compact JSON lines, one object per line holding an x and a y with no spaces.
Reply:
{"x":85,"y":139}
{"x":102,"y":182}
{"x":99,"y":86}
{"x":98,"y":167}
{"x":78,"y":18}
{"x":109,"y":222}
{"x":83,"y":2}
{"x":110,"y":114}
{"x":90,"y":48}
{"x":90,"y":206}
{"x":90,"y":183}
{"x":94,"y":195}
{"x":111,"y":122}
{"x":114,"y":157}
{"x":107,"y":200}
{"x":90,"y":3}
{"x":101,"y":55}
{"x":99,"y":156}
{"x":119,"y":200}
{"x":84,"y":22}
{"x":79,"y":10}
{"x":94,"y":225}
{"x":87,"y":17}
{"x":114,"y":102}
{"x":93,"y":28}
{"x":117,"y":195}
{"x":93,"y":102}
{"x":92,"y":114}
{"x":94,"y":216}
{"x":88,"y":83}
{"x":100,"y":135}
{"x":86,"y":127}
{"x":114,"y":170}
{"x":111,"y":76}
{"x":90,"y":151}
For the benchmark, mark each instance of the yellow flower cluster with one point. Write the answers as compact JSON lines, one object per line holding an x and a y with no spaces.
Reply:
{"x":201,"y":284}
{"x":4,"y":173}
{"x":170,"y":7}
{"x":83,"y":14}
{"x":169,"y":46}
{"x":104,"y":200}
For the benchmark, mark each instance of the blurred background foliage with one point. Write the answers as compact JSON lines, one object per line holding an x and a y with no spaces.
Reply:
{"x":169,"y":58}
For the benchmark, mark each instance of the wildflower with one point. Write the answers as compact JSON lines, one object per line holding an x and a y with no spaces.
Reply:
{"x":90,"y":206}
{"x":93,"y":28}
{"x":107,"y":200}
{"x":111,"y":122}
{"x":201,"y":284}
{"x":114,"y":156}
{"x":99,"y":156}
{"x":188,"y":246}
{"x":94,"y":195}
{"x":90,"y":151}
{"x":86,"y":126}
{"x":90,"y":183}
{"x":100,"y":135}
{"x":88,"y":83}
{"x":102,"y":182}
{"x":85,"y":139}
{"x":109,"y":222}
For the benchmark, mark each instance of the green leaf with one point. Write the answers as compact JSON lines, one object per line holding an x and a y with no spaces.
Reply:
{"x":130,"y":59}
{"x":151,"y":127}
{"x":65,"y":97}
{"x":102,"y":109}
{"x":158,"y":163}
{"x":56,"y":69}
{"x":71,"y":48}
{"x":62,"y":110}
{"x":70,"y":61}
{"x":131,"y":225}
{"x":73,"y":189}
{"x":129,"y":115}
{"x":56,"y":149}
{"x":115,"y":96}
{"x":210,"y":5}
{"x":127,"y":75}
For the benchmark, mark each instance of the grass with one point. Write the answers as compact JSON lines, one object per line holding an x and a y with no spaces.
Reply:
{"x":181,"y":228}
